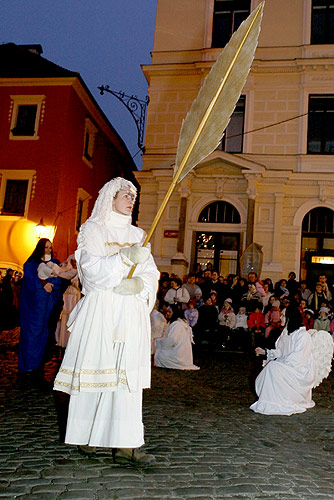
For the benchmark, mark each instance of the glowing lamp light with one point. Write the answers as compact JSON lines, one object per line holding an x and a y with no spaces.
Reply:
{"x":40,"y":229}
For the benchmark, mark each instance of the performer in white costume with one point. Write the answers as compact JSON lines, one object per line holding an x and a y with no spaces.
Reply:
{"x":174,"y":350}
{"x":284,"y":386}
{"x":107,"y":361}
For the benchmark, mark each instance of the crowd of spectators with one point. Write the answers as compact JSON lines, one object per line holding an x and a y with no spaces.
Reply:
{"x":233,"y":312}
{"x":10,"y":288}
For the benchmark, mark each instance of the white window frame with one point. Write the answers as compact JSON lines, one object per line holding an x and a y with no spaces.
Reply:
{"x":20,"y":100}
{"x":84,"y":196}
{"x":24,"y":175}
{"x":91,"y":130}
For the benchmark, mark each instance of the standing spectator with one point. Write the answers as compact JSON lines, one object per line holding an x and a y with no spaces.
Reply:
{"x":304,"y":292}
{"x":191,"y":285}
{"x":292,"y":284}
{"x":280,"y":289}
{"x":325,"y":289}
{"x":107,"y":362}
{"x":39,"y":299}
{"x":317,"y":298}
{"x":257,"y":325}
{"x":206,"y":284}
{"x":7,"y":309}
{"x":177,"y":294}
{"x":226,"y":319}
{"x":164,"y":286}
{"x":206,"y":328}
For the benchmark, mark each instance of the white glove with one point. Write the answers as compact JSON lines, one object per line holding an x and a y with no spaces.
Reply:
{"x":137,"y":254}
{"x":130,"y":286}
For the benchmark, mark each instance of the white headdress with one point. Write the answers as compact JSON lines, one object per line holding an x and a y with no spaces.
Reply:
{"x":104,"y":204}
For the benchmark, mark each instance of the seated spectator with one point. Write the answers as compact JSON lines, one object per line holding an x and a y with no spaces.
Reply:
{"x":214,"y":299}
{"x":273,"y":318}
{"x":308,"y":319}
{"x":302,"y":306}
{"x":191,"y":313}
{"x":269,"y":282}
{"x":322,"y":322}
{"x":177,"y":294}
{"x":304,"y":292}
{"x":285,"y":303}
{"x":174,"y":350}
{"x":191,"y":285}
{"x":268,"y":293}
{"x":257,"y":325}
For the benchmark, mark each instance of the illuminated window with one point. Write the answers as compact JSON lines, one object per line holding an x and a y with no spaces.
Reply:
{"x":220,"y":212}
{"x":227,"y":17}
{"x":322,"y":30}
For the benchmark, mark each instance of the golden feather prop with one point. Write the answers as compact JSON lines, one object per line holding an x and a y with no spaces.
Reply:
{"x":211,"y":111}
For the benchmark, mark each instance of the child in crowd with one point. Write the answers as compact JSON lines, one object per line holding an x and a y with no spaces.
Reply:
{"x":273,"y":318}
{"x":226,"y":319}
{"x":191,"y":313}
{"x":240,"y":331}
{"x":322,"y":322}
{"x":198,"y":298}
{"x":257,"y":325}
{"x":308,"y":319}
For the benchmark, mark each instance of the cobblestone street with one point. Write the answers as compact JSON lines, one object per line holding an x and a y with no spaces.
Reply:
{"x":208,"y":444}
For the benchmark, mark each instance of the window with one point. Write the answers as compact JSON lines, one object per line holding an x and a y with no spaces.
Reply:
{"x":227,"y":17}
{"x":232,"y":141}
{"x":320,"y":137}
{"x":27,"y":113}
{"x":220,"y":212}
{"x":16,"y":189}
{"x":82,"y":208}
{"x":15,"y":197}
{"x":89,"y":141}
{"x":322,"y":29}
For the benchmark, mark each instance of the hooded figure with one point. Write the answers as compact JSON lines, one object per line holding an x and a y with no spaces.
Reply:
{"x":107,"y":362}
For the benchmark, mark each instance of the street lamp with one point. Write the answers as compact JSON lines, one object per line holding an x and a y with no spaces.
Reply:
{"x":40,"y":229}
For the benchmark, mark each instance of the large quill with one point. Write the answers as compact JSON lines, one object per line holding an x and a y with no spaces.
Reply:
{"x":210,"y":113}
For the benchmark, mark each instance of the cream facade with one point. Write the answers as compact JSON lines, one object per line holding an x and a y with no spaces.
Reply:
{"x":277,"y":180}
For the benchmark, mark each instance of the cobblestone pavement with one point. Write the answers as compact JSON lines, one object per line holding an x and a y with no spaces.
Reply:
{"x":208,"y":444}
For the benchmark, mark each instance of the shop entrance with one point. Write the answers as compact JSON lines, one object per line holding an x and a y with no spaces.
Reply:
{"x":317,"y":255}
{"x":222,"y":250}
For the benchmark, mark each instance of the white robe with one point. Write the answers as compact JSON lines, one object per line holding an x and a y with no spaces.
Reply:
{"x":107,"y":360}
{"x":175,"y":349}
{"x":284,"y":386}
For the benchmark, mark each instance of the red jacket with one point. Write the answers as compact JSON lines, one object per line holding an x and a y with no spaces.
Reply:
{"x":256,"y":320}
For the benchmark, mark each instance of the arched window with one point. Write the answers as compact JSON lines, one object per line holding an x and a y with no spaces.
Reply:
{"x":220,"y":212}
{"x":319,"y":220}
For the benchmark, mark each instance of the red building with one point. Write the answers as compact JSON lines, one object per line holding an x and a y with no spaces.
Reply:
{"x":57,"y":150}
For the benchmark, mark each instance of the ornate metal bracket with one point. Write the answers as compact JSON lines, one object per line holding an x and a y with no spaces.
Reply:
{"x":137,"y":108}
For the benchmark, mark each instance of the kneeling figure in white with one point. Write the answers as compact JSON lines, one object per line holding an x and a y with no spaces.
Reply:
{"x":107,"y":361}
{"x":174,"y":350}
{"x":284,"y":386}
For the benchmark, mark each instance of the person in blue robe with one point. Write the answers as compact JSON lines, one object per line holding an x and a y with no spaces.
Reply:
{"x":40,"y":306}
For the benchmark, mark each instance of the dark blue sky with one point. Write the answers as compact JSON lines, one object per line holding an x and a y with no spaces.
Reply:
{"x":106,"y":41}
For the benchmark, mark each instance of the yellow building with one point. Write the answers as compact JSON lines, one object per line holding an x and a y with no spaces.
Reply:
{"x":272,"y":180}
